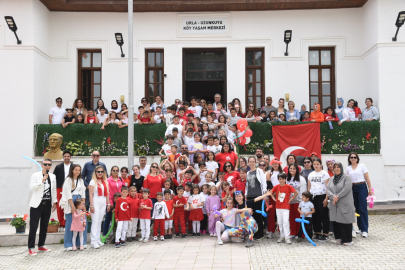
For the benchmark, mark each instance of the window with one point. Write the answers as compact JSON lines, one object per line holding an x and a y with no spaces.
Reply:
{"x":89,"y":77}
{"x":154,"y":84}
{"x":322,"y":77}
{"x":255,"y":77}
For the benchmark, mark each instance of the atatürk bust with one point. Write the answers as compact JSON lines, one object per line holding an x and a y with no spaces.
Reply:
{"x":55,"y":141}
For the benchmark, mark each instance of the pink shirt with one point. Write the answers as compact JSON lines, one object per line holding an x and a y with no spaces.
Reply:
{"x":114,"y":187}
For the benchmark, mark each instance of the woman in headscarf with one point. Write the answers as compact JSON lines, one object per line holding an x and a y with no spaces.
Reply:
{"x":303,"y":110}
{"x":341,"y":205}
{"x":317,"y":115}
{"x":340,"y":110}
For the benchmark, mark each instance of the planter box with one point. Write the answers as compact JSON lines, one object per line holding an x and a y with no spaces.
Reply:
{"x":53,"y":228}
{"x":20,"y":230}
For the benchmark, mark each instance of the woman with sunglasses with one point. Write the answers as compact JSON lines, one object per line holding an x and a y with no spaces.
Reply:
{"x":230,"y":174}
{"x":361,"y":189}
{"x":99,"y":200}
{"x":308,"y":168}
{"x":225,"y":155}
{"x":73,"y":189}
{"x":153,"y":182}
{"x":115,"y":184}
{"x":145,"y":104}
{"x":272,"y":181}
{"x":256,"y":186}
{"x":243,"y":164}
{"x":252,"y":107}
{"x":203,"y":104}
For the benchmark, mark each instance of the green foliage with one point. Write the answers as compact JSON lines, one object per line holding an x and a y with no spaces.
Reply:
{"x":82,"y":140}
{"x":18,"y":221}
{"x":53,"y":222}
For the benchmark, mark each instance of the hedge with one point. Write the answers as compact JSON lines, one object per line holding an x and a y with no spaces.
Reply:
{"x":82,"y":140}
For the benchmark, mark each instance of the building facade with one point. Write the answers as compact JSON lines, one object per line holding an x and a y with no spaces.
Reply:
{"x":334,"y":52}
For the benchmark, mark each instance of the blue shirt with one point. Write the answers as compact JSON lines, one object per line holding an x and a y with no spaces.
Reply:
{"x":289,"y":115}
{"x":88,"y":170}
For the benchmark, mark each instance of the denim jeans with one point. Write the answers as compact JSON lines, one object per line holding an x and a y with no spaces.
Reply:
{"x":69,"y":234}
{"x":360,"y":193}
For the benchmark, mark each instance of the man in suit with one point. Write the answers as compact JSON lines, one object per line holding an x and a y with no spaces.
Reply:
{"x":43,"y":201}
{"x":61,"y":171}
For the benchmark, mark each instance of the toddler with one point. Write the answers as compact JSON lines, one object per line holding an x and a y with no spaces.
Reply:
{"x":211,"y":201}
{"x":78,"y":223}
{"x":306,"y":207}
{"x":196,"y":201}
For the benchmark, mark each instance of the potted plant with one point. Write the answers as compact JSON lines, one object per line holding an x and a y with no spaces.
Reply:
{"x":19,"y":223}
{"x":53,"y":226}
{"x":88,"y":215}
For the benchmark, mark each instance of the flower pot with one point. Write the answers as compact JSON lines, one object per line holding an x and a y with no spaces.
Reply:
{"x":20,"y":229}
{"x":53,"y":228}
{"x":88,"y":226}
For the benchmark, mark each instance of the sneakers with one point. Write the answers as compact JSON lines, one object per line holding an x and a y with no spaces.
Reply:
{"x":162,"y":238}
{"x":204,"y":232}
{"x":215,"y":235}
{"x":74,"y":248}
{"x":141,"y":240}
{"x":100,"y":244}
{"x":44,"y":249}
{"x":129,"y":239}
{"x":348,"y":244}
{"x":211,"y":234}
{"x":299,"y":239}
{"x":323,"y":238}
{"x":32,"y":252}
{"x":154,"y":238}
{"x":280,"y":240}
{"x":135,"y":238}
{"x":198,"y":235}
{"x":169,"y":236}
{"x":317,"y":237}
{"x":220,"y":242}
{"x":177,"y":235}
{"x":117,"y":244}
{"x":364,"y":235}
{"x":183,"y":235}
{"x":354,"y":235}
{"x":270,"y":235}
{"x":122,"y":243}
{"x":288,"y":241}
{"x":69,"y":249}
{"x":358,"y":232}
{"x":190,"y":232}
{"x":194,"y":235}
{"x":95,"y":246}
{"x":249,"y":243}
{"x":145,"y":240}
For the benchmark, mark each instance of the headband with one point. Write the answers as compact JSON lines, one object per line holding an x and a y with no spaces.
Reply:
{"x":238,"y":192}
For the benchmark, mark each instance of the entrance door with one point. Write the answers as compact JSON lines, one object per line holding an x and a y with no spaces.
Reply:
{"x":204,"y":73}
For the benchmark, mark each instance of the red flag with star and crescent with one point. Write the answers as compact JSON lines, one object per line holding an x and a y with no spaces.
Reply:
{"x":300,"y":140}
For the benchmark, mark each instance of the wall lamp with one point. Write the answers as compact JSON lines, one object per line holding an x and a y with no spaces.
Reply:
{"x":13,"y":27}
{"x":287,"y":39}
{"x":399,"y":23}
{"x":120,"y":42}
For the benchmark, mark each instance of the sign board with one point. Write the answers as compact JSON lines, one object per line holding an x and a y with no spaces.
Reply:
{"x":203,"y":25}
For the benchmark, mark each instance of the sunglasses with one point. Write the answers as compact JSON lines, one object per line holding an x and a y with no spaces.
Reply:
{"x":184,"y":148}
{"x":251,"y":106}
{"x":307,"y":162}
{"x":99,"y":171}
{"x":177,"y":102}
{"x":262,"y":165}
{"x":47,"y":164}
{"x":59,"y":101}
{"x":154,"y":167}
{"x":228,"y":166}
{"x":115,"y":170}
{"x":353,"y":157}
{"x":96,"y":155}
{"x":144,"y":101}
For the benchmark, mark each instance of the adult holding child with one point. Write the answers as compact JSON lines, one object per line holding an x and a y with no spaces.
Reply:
{"x":361,"y":189}
{"x":73,"y":189}
{"x":99,"y":200}
{"x":341,"y":208}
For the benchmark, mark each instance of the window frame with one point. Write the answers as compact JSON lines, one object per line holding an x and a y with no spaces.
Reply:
{"x":262,"y":81}
{"x":92,"y":69}
{"x":155,"y":69}
{"x":332,"y":78}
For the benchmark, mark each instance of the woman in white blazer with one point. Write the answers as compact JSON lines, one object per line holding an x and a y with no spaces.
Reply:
{"x":256,"y":186}
{"x":43,"y":201}
{"x":73,"y":188}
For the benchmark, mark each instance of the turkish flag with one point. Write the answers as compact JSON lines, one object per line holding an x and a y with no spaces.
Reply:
{"x":300,"y":140}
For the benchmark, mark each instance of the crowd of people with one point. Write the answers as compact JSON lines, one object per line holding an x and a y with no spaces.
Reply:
{"x":199,"y":192}
{"x":211,"y":115}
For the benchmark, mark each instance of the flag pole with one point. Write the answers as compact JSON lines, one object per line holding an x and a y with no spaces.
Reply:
{"x":130,"y":87}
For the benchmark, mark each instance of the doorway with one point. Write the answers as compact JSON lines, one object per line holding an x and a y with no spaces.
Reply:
{"x":204,"y":73}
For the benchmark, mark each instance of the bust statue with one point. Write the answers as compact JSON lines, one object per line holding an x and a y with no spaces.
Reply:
{"x":55,"y":141}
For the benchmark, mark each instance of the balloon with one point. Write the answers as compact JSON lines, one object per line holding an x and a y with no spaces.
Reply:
{"x":30,"y":159}
{"x":303,"y":221}
{"x":104,"y":238}
{"x":263,"y":213}
{"x":247,"y":140}
{"x":241,"y":124}
{"x":242,"y":140}
{"x":248,"y":133}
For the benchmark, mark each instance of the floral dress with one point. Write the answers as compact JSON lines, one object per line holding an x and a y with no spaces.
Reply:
{"x":247,"y":226}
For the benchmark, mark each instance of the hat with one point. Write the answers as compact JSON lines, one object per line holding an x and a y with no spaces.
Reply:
{"x":269,"y":98}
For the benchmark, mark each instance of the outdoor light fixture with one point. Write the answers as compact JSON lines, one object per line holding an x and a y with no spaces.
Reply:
{"x":400,"y":21}
{"x":13,"y":27}
{"x":120,"y":42}
{"x":287,"y":39}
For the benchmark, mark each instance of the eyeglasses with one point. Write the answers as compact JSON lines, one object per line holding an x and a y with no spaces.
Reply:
{"x":96,"y":155}
{"x":99,"y":171}
{"x":353,"y":157}
{"x":144,"y":100}
{"x":177,"y":102}
{"x":184,"y":148}
{"x":307,"y":162}
{"x":251,"y":106}
{"x":47,"y":164}
{"x":115,"y":170}
{"x":154,"y":167}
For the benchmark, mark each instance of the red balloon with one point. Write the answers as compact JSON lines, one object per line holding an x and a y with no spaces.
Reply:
{"x":242,"y":140}
{"x":241,"y":124}
{"x":248,"y":133}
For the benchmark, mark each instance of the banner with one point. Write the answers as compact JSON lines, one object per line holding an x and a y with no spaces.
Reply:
{"x":300,"y":140}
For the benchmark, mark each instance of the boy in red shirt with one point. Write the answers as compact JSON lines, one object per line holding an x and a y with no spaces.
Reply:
{"x":169,"y":220}
{"x":144,"y":215}
{"x":186,"y":195}
{"x":90,"y":119}
{"x":178,"y":203}
{"x":182,"y":116}
{"x":240,"y":184}
{"x":134,"y":207}
{"x":187,"y":175}
{"x":145,"y":119}
{"x":122,"y":217}
{"x":283,"y":192}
